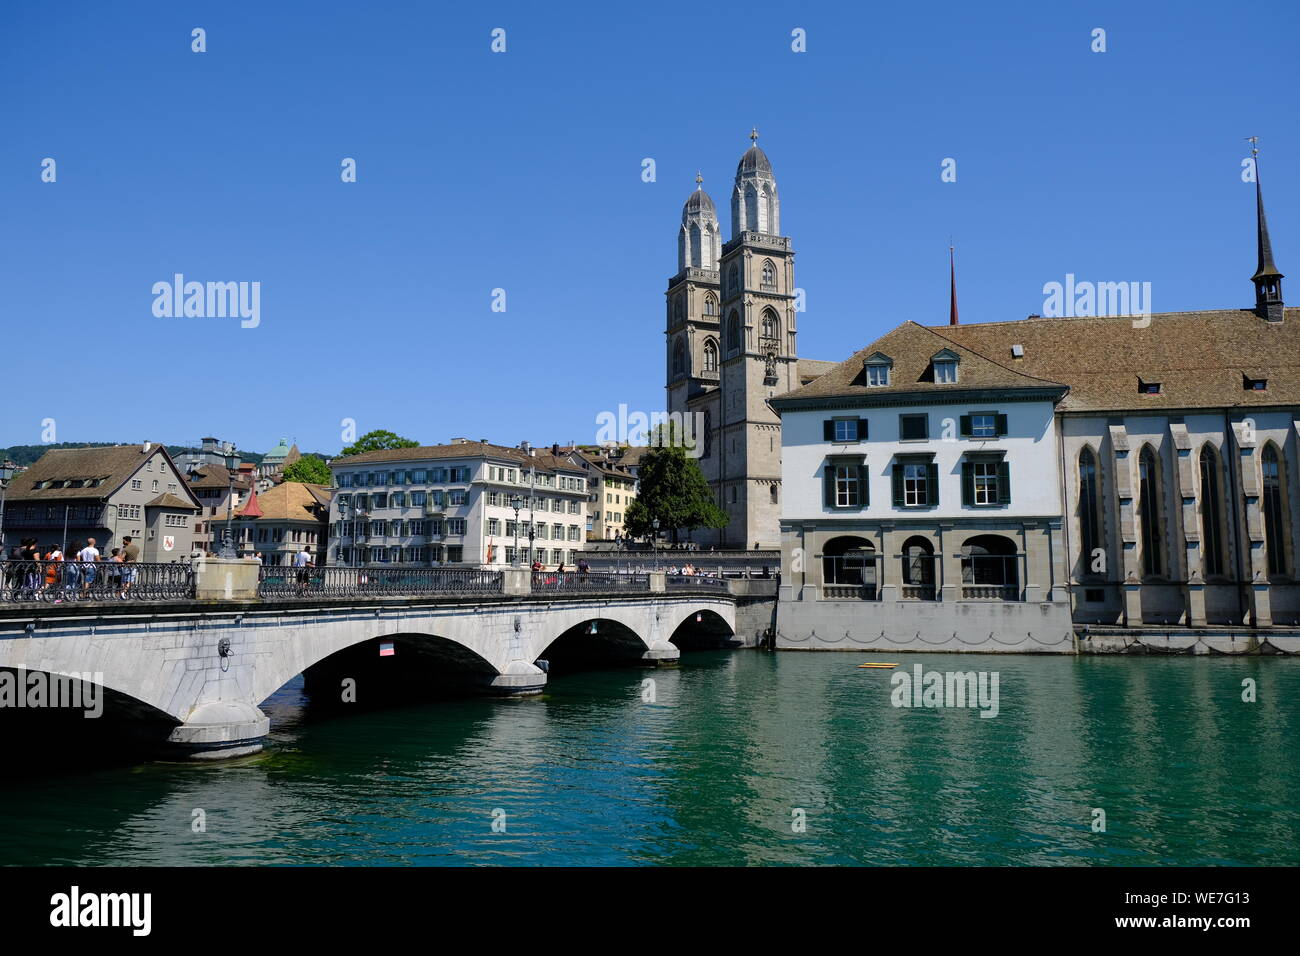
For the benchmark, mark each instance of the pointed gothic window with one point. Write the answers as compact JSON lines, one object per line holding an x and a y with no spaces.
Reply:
{"x":1089,"y":508}
{"x":679,"y":358}
{"x":769,"y":276}
{"x":1149,"y":512}
{"x":733,"y":330}
{"x":1211,"y":512}
{"x":771,"y":326}
{"x":1274,"y":507}
{"x":710,"y":305}
{"x":710,"y":355}
{"x":733,"y":279}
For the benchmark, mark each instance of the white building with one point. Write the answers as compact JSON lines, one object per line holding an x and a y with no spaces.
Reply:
{"x":455,"y":504}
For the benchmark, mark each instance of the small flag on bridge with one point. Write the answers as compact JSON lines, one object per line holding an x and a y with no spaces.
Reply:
{"x":386,"y":649}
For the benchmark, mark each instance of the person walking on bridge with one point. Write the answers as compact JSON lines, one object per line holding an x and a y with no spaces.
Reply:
{"x":88,"y":556}
{"x":302,"y":561}
{"x":130,"y":557}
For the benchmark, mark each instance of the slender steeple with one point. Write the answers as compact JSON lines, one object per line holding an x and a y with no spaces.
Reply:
{"x":1268,"y":281}
{"x":952,"y":279}
{"x":755,"y":206}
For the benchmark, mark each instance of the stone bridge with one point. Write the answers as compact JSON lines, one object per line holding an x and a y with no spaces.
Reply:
{"x":193,"y":674}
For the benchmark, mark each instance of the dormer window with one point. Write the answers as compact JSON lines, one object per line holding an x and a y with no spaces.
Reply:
{"x":877,"y":370}
{"x":945,"y":371}
{"x":1148,"y":388}
{"x":1254,"y":384}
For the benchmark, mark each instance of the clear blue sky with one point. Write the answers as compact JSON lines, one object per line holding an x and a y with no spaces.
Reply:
{"x":522,"y":171}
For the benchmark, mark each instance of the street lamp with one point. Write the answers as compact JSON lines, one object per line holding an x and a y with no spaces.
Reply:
{"x":516,"y":502}
{"x":7,"y":470}
{"x":654,"y":542}
{"x":227,"y":543}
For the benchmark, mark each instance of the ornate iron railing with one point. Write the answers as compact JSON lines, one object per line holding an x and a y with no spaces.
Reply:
{"x":58,"y":582}
{"x":588,"y":581}
{"x":281,"y":582}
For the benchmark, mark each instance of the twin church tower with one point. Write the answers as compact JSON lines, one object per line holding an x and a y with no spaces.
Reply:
{"x":731,"y":340}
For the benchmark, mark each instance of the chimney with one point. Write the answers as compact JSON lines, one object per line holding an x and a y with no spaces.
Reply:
{"x":526,"y":447}
{"x":145,"y":449}
{"x":555,"y":449}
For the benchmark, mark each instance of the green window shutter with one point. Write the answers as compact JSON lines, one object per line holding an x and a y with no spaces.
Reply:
{"x":1002,"y":425}
{"x":862,"y":429}
{"x":932,"y":484}
{"x":863,"y":475}
{"x":898,"y":485}
{"x":828,"y":430}
{"x":1004,"y":483}
{"x":967,"y":484}
{"x":965,"y":426}
{"x":828,"y":485}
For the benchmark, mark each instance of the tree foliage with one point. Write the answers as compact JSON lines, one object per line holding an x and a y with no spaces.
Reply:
{"x":672,"y":489}
{"x":378,"y":440}
{"x":308,"y":470}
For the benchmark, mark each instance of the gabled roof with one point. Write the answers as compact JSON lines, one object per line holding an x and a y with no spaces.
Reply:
{"x":169,"y":500}
{"x":108,"y":467}
{"x":911,"y":347}
{"x":542,"y":460}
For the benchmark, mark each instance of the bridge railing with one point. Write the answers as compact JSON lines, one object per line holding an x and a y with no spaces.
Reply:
{"x":59,"y":582}
{"x":686,"y":582}
{"x":282,"y":582}
{"x":589,"y":581}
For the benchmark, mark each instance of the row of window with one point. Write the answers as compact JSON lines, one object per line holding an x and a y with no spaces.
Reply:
{"x":558,"y":505}
{"x":942,"y":369}
{"x":1213,"y":509}
{"x":449,"y":554}
{"x":985,"y":483}
{"x":916,"y":427}
{"x":456,"y":474}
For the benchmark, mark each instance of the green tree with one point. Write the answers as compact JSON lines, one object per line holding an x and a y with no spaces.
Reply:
{"x":378,"y":440}
{"x":673,"y":489}
{"x":308,"y":470}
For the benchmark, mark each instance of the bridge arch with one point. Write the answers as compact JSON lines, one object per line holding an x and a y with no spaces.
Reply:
{"x":701,"y":629}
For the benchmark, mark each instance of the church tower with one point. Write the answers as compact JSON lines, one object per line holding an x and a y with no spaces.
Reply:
{"x":731,"y":347}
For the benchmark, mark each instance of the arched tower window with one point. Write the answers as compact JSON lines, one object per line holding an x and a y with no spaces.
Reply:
{"x":1149,"y":502}
{"x":679,"y":308}
{"x":710,"y":355}
{"x":679,"y":357}
{"x":1211,"y":512}
{"x":771,"y":325}
{"x":708,"y":434}
{"x":1089,"y":508}
{"x":751,"y":209}
{"x":733,"y":330}
{"x":1273,"y":504}
{"x":697,"y":253}
{"x":733,"y":279}
{"x":769,"y":275}
{"x":768,"y":211}
{"x":710,"y":305}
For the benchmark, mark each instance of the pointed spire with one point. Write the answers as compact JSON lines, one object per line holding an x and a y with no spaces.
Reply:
{"x":952,"y":278}
{"x":1267,"y":278}
{"x":753,"y":136}
{"x":252,"y":509}
{"x":699,"y":180}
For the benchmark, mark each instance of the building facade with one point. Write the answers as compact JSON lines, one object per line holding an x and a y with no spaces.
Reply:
{"x":290,"y":517}
{"x":731,"y":340}
{"x":454,"y":504}
{"x":992,"y":486}
{"x":104,"y":493}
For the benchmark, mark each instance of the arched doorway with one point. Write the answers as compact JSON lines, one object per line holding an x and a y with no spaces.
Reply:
{"x":990,"y":569}
{"x":849,"y":569}
{"x":918,"y":569}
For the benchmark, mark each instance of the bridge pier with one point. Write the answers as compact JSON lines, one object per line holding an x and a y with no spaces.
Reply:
{"x":519,"y":679}
{"x":666,"y":655}
{"x":218,"y":730}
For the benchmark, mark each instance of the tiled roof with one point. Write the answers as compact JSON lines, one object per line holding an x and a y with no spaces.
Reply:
{"x":169,"y":500}
{"x":289,"y":501}
{"x":1200,"y":359}
{"x":810,"y":369}
{"x":218,"y":476}
{"x":542,"y":460}
{"x":910,"y":348}
{"x":110,"y":466}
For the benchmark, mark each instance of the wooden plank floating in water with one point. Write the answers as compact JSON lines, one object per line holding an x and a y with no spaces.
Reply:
{"x":877,"y":664}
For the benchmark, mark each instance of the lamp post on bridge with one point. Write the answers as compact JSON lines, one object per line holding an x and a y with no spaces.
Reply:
{"x":654,"y":542}
{"x":516,"y":502}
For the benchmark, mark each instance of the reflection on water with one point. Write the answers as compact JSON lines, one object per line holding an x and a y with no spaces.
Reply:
{"x":714,"y":769}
